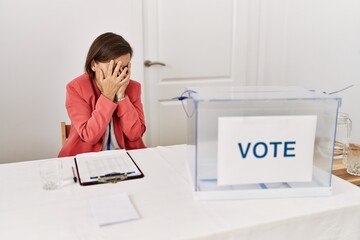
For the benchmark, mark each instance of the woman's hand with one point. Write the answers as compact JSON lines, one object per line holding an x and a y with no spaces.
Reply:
{"x":109,"y":82}
{"x":125,"y":76}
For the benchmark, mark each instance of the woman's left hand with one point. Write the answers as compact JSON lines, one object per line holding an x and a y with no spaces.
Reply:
{"x":125,"y":79}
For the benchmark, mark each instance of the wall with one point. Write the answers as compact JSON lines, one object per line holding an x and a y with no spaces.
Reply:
{"x":311,"y":43}
{"x":43,"y":45}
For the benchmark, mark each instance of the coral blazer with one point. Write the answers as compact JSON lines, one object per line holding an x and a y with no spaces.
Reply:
{"x":90,"y":114}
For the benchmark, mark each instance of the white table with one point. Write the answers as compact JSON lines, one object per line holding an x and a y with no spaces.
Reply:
{"x":165,"y":203}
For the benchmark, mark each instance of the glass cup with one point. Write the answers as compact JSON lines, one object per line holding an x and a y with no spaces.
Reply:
{"x":353,"y":160}
{"x":343,"y":134}
{"x":51,"y":173}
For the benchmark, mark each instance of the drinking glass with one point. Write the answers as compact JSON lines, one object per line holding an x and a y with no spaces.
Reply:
{"x":51,"y":173}
{"x":353,"y":160}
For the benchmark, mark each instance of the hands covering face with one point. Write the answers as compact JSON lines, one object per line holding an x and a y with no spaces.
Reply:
{"x":125,"y":72}
{"x":112,"y":79}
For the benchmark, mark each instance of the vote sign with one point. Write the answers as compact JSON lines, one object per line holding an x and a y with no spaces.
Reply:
{"x":265,"y":149}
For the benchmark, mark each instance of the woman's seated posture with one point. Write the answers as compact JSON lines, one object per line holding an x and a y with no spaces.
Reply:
{"x":103,"y":104}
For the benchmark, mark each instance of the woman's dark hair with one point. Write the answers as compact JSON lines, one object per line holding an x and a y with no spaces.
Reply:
{"x":106,"y":47}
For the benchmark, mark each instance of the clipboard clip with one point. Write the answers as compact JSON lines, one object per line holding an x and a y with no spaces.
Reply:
{"x":112,"y":179}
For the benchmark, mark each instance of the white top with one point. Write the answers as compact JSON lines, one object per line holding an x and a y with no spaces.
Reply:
{"x":164,"y":202}
{"x":113,"y":142}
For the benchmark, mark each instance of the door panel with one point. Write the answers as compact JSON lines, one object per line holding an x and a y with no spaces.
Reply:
{"x":195,"y":41}
{"x":202,"y":43}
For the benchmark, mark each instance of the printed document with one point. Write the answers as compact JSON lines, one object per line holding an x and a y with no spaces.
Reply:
{"x":95,"y":165}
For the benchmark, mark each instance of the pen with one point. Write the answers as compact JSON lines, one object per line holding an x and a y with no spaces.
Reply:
{"x":75,"y":178}
{"x":111,"y":175}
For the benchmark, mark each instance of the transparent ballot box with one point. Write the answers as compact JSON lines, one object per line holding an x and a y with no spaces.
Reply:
{"x":260,"y":142}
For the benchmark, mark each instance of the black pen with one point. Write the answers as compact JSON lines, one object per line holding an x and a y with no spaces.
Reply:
{"x":112,"y":175}
{"x":75,"y":178}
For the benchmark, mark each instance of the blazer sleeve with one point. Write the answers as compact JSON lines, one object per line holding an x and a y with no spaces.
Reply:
{"x":90,"y":123}
{"x":131,"y":114}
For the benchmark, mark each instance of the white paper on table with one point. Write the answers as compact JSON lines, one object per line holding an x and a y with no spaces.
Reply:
{"x":113,"y":209}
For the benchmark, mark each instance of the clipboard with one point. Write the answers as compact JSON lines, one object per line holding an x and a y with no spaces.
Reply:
{"x":110,"y":166}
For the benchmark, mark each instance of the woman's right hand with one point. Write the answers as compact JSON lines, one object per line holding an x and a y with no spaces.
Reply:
{"x":110,"y":81}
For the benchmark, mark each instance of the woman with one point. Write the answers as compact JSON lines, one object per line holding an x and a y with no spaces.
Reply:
{"x":103,"y":104}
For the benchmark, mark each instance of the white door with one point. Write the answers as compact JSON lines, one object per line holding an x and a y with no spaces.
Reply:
{"x":201,"y":43}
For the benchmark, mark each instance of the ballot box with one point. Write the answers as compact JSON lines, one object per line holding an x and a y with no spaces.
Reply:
{"x":260,"y":142}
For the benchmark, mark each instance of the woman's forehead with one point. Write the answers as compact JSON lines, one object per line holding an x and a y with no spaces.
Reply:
{"x":125,"y":59}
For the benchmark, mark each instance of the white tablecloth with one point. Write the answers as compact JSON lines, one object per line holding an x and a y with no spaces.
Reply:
{"x":164,"y":201}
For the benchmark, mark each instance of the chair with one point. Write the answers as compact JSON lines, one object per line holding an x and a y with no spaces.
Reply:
{"x":65,"y":131}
